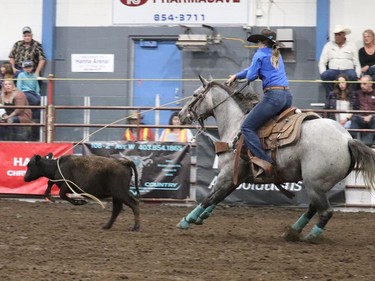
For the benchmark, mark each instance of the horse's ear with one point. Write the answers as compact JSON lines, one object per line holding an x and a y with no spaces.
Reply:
{"x":204,"y":81}
{"x":210,"y":78}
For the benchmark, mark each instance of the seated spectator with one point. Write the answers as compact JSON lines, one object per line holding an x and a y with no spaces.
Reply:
{"x":367,"y":53}
{"x":11,"y":96}
{"x":342,"y":98}
{"x":27,"y":49}
{"x":131,"y":134}
{"x":366,"y":99}
{"x":6,"y":71}
{"x":176,"y":134}
{"x":339,"y":57}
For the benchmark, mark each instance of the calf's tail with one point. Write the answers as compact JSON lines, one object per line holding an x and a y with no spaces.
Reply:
{"x":128,"y":163}
{"x":364,"y":158}
{"x":132,"y":165}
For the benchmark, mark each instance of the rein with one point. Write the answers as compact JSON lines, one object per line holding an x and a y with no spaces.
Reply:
{"x":202,"y":95}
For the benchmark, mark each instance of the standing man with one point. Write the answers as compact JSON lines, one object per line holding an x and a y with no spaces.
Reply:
{"x":27,"y":49}
{"x":339,"y":57}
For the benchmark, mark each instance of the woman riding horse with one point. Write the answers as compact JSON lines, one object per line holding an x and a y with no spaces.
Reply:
{"x":267,"y":65}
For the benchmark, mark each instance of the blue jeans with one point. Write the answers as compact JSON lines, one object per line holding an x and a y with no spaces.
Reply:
{"x":331,"y":75}
{"x":273,"y":103}
{"x":371,"y":72}
{"x":359,"y":123}
{"x":33,"y":99}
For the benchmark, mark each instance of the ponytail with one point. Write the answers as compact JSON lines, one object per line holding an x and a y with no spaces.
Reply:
{"x":275,"y":56}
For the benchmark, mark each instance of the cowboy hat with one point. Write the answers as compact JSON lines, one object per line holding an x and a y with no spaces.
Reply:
{"x":265,"y":35}
{"x":339,"y":28}
{"x":134,"y":115}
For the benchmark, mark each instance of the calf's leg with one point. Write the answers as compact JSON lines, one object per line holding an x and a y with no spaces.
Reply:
{"x":116,"y":209}
{"x":134,"y":205}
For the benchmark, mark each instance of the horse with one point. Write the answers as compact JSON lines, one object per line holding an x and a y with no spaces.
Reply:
{"x":323,"y":156}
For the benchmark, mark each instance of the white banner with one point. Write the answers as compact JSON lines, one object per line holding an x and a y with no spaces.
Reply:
{"x":93,"y":62}
{"x":175,"y":12}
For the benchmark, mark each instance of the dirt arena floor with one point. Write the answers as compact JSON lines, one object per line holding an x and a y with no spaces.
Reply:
{"x":58,"y":241}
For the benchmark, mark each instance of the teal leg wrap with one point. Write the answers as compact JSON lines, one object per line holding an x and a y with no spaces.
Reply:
{"x":206,"y":213}
{"x":191,"y":217}
{"x":183,"y":224}
{"x":300,"y":223}
{"x":194,"y":214}
{"x":315,"y":232}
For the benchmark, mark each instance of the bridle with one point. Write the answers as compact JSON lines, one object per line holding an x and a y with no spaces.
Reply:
{"x":199,"y":97}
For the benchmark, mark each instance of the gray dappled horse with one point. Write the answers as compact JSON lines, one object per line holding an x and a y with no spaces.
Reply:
{"x":324,"y":155}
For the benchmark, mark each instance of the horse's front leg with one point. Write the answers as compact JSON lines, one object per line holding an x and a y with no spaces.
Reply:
{"x":223,"y":187}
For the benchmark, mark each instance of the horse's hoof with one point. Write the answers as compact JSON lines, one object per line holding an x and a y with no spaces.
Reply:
{"x":198,"y":221}
{"x":291,"y":234}
{"x":183,"y":224}
{"x":312,"y":239}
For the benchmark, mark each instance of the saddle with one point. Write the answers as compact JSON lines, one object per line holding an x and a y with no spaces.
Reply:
{"x":284,"y":129}
{"x":280,"y":131}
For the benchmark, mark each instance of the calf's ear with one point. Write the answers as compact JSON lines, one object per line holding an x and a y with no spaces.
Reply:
{"x":49,"y":156}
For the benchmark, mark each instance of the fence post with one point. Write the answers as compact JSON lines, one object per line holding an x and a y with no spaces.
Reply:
{"x":50,"y":123}
{"x":50,"y":89}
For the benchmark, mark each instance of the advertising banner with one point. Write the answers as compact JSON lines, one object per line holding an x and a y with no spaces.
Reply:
{"x":14,"y":157}
{"x":163,"y":168}
{"x":176,"y":12}
{"x":247,"y":193}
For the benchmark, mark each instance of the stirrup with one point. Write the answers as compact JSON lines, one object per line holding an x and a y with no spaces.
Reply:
{"x":263,"y":166}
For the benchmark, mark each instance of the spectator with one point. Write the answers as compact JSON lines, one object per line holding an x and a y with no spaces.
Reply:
{"x":11,"y":96}
{"x":366,"y":99}
{"x":27,"y":49}
{"x":176,"y":134}
{"x":339,"y":57}
{"x":27,"y":82}
{"x":131,"y":134}
{"x":367,"y":53}
{"x":6,"y":71}
{"x":342,"y":98}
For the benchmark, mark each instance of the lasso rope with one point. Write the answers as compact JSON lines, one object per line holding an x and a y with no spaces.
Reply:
{"x":82,"y":140}
{"x":68,"y":184}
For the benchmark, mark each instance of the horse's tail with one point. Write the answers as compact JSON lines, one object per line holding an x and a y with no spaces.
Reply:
{"x":364,"y":158}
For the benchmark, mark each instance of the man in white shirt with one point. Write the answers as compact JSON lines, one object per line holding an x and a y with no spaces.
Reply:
{"x":339,"y":57}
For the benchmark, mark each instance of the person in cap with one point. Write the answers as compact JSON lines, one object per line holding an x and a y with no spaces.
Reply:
{"x":27,"y":83}
{"x":27,"y":49}
{"x":339,"y":57}
{"x":138,"y":134}
{"x":267,"y":65}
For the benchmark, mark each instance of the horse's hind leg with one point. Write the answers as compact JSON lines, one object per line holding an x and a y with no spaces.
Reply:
{"x":319,"y":203}
{"x":292,"y":233}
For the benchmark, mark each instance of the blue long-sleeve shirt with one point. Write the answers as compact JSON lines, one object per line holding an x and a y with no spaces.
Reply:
{"x":262,"y":68}
{"x":28,"y":85}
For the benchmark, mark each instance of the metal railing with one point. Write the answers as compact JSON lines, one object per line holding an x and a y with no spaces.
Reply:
{"x":48,"y":122}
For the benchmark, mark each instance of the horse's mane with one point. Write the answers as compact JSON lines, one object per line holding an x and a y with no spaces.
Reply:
{"x":245,"y":98}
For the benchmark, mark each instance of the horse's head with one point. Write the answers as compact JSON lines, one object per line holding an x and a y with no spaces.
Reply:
{"x":210,"y":95}
{"x":195,"y":109}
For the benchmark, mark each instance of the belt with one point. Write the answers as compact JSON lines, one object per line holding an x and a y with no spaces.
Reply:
{"x":276,"y":88}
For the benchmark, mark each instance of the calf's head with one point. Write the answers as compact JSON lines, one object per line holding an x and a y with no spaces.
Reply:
{"x":34,"y":167}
